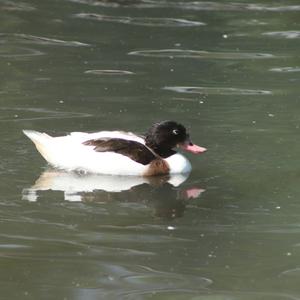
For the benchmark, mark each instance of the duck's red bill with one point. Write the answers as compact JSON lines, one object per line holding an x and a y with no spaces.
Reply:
{"x":193,"y":148}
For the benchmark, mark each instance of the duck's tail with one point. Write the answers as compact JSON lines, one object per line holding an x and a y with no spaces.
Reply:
{"x":41,"y":141}
{"x":36,"y":136}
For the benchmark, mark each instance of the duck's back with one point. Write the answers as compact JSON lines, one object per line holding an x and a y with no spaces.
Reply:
{"x":69,"y":153}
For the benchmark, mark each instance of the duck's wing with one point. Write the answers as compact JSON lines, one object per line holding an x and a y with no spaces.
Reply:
{"x":84,"y":136}
{"x":132,"y":149}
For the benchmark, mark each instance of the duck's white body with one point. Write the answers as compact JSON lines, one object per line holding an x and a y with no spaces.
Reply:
{"x":69,"y":153}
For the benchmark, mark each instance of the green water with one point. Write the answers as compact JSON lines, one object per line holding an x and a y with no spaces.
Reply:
{"x":227,"y":70}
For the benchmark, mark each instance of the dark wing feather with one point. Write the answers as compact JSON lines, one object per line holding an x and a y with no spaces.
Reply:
{"x":132,"y":149}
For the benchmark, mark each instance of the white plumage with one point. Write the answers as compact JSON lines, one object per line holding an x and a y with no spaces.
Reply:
{"x":69,"y":153}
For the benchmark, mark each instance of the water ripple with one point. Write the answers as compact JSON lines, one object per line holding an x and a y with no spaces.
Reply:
{"x":21,"y":114}
{"x":215,"y":90}
{"x":109,"y":72}
{"x":273,"y":8}
{"x":110,"y":3}
{"x":144,"y":280}
{"x":181,"y":53}
{"x":165,"y":279}
{"x":191,"y":5}
{"x":13,"y":246}
{"x":198,"y":293}
{"x":39,"y":40}
{"x":292,"y":34}
{"x":143,"y":21}
{"x":291,"y":272}
{"x":16,"y":52}
{"x":286,"y":69}
{"x":13,"y":6}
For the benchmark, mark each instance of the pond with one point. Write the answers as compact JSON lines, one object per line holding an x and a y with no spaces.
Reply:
{"x":229,"y":71}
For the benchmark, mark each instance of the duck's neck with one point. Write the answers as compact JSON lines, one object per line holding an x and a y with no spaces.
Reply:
{"x":160,"y":150}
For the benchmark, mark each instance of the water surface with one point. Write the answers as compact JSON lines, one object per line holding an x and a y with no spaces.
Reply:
{"x":230,"y":72}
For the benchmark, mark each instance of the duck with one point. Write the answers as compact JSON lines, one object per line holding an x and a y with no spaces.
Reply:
{"x":119,"y":152}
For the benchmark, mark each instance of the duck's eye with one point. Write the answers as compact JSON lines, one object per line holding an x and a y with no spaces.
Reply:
{"x":175,"y":131}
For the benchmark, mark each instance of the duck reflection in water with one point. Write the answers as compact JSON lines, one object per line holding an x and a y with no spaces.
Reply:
{"x":162,"y":193}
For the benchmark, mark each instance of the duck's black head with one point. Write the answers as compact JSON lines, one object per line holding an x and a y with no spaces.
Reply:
{"x":162,"y":137}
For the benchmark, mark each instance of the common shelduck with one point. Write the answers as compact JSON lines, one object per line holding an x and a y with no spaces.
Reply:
{"x":119,"y":153}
